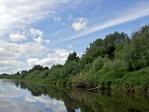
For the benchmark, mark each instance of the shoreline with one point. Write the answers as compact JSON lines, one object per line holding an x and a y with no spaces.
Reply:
{"x":88,"y":88}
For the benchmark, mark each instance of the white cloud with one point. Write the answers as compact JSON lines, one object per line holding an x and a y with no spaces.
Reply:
{"x":16,"y":14}
{"x":58,"y":56}
{"x":17,"y":37}
{"x":10,"y":65}
{"x":60,"y":31}
{"x":47,"y":41}
{"x":56,"y":19}
{"x":80,"y":23}
{"x":40,"y":40}
{"x":36,"y":32}
{"x":139,"y":11}
{"x":11,"y":52}
{"x":33,"y":61}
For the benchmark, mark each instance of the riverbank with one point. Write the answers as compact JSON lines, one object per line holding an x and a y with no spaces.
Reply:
{"x":130,"y":82}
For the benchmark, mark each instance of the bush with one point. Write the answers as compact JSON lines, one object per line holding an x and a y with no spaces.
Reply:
{"x":84,"y":78}
{"x":116,"y":66}
{"x":98,"y":64}
{"x":71,"y":68}
{"x":107,"y":66}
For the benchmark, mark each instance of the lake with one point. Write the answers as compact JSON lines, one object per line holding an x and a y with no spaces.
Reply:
{"x":16,"y":96}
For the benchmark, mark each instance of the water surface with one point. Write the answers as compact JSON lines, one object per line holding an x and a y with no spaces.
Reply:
{"x":18,"y":96}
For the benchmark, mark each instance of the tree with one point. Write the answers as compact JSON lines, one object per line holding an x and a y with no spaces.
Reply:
{"x":72,"y":57}
{"x":96,"y":49}
{"x":71,"y":68}
{"x":113,"y":41}
{"x":37,"y":67}
{"x":135,"y":52}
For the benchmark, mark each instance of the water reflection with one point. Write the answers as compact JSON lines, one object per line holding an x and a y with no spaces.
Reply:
{"x":17,"y":97}
{"x":30,"y":97}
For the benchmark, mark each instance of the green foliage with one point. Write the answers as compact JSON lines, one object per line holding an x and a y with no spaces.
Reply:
{"x":96,"y":49}
{"x":113,"y":42}
{"x":71,"y":68}
{"x":85,"y":78}
{"x":116,"y":66}
{"x":135,"y":52}
{"x":72,"y":57}
{"x":98,"y":64}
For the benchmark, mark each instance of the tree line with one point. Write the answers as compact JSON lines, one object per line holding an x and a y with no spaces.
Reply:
{"x":117,"y":61}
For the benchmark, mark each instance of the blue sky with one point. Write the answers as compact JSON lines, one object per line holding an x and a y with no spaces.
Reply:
{"x":45,"y":32}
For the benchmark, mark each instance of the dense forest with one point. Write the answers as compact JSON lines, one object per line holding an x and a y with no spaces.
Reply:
{"x":116,"y":62}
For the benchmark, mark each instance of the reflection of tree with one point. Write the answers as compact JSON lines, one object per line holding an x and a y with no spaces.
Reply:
{"x":35,"y":89}
{"x":90,"y":102}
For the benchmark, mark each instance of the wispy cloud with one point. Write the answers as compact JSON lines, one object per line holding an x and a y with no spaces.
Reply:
{"x":19,"y":13}
{"x":60,"y":31}
{"x":57,"y":19}
{"x":138,"y":11}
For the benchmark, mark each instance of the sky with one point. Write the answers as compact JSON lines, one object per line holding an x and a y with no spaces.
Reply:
{"x":44,"y":32}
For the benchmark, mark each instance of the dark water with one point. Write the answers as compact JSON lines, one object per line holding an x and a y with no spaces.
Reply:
{"x":30,"y":97}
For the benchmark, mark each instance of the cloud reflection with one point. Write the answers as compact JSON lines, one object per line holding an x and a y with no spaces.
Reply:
{"x":12,"y":106}
{"x":25,"y":101}
{"x":52,"y":104}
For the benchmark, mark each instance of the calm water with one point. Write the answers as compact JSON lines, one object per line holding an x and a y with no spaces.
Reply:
{"x":26,"y":97}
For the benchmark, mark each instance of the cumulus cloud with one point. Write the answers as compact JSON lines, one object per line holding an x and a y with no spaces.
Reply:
{"x":10,"y":65}
{"x":58,"y":56}
{"x":17,"y":37}
{"x":33,"y":61}
{"x":36,"y":32}
{"x":11,"y":52}
{"x":41,"y":40}
{"x":80,"y":23}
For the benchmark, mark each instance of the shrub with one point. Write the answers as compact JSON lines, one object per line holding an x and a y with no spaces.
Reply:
{"x":98,"y":64}
{"x":116,"y":65}
{"x":71,"y":68}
